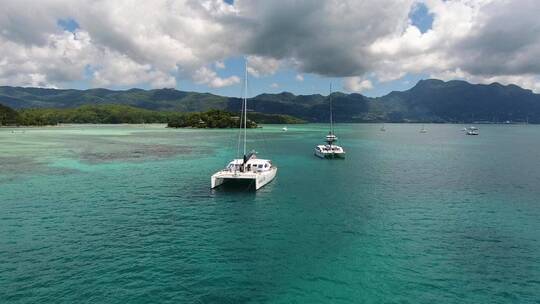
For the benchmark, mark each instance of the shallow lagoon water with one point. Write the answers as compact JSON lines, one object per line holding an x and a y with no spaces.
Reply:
{"x":124,"y":214}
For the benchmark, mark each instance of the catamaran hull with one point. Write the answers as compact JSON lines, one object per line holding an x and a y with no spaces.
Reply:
{"x":329,"y":155}
{"x":259,"y":179}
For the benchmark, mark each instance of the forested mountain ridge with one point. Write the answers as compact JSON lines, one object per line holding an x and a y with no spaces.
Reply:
{"x":428,"y":101}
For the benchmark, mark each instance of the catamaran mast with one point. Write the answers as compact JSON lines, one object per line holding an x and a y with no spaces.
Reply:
{"x":245,"y":104}
{"x":331,"y":118}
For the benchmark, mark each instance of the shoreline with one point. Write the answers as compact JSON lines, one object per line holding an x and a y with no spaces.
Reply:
{"x":277,"y":124}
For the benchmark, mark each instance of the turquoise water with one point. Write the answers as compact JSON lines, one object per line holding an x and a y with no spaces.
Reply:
{"x":124,"y":214}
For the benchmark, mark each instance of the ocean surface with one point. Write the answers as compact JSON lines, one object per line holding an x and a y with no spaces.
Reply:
{"x":125,"y":214}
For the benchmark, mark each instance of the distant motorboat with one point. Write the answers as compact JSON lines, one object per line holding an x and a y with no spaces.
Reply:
{"x":423,"y":130}
{"x":472,"y":131}
{"x":383,"y":129}
{"x":284,"y":129}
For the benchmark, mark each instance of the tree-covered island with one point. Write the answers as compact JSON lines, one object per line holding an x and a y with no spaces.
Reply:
{"x":117,"y":114}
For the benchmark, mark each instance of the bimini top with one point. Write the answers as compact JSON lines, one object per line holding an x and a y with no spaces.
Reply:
{"x":331,"y":137}
{"x":252,"y":164}
{"x":329,"y":149}
{"x":251,"y":161}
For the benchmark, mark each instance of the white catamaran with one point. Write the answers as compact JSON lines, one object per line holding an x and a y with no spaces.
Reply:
{"x":249,"y":170}
{"x":330,"y":150}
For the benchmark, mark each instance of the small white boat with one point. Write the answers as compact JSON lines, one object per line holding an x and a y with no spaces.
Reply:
{"x":248,"y":170}
{"x":330,"y":150}
{"x":284,"y":129}
{"x":423,"y":130}
{"x":383,"y":129}
{"x":472,"y":131}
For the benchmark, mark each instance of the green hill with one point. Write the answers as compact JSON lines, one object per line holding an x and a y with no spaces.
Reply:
{"x":8,"y":116}
{"x":115,"y":114}
{"x":163,"y":99}
{"x":97,"y":114}
{"x":455,"y":101}
{"x":428,"y":101}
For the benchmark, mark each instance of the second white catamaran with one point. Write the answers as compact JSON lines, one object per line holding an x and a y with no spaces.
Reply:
{"x":249,"y":170}
{"x":330,"y":150}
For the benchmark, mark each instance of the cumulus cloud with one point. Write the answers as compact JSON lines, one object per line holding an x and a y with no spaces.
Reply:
{"x":62,"y":57}
{"x":357,"y":84}
{"x":119,"y":70}
{"x":219,"y":64}
{"x":299,"y":77}
{"x":324,"y":37}
{"x":504,"y":40}
{"x":480,"y":41}
{"x":151,"y":43}
{"x":210,"y":78}
{"x":161,"y":42}
{"x":262,"y":66}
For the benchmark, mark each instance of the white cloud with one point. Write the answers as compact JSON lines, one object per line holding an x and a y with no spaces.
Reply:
{"x":150,"y":43}
{"x":274,"y":85}
{"x":61,"y":58}
{"x":299,"y":77}
{"x":220,"y":65}
{"x":262,"y":66}
{"x":480,"y":41}
{"x":356,"y":84}
{"x":210,"y":78}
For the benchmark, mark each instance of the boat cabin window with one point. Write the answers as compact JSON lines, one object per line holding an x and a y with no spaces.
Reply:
{"x":234,"y":167}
